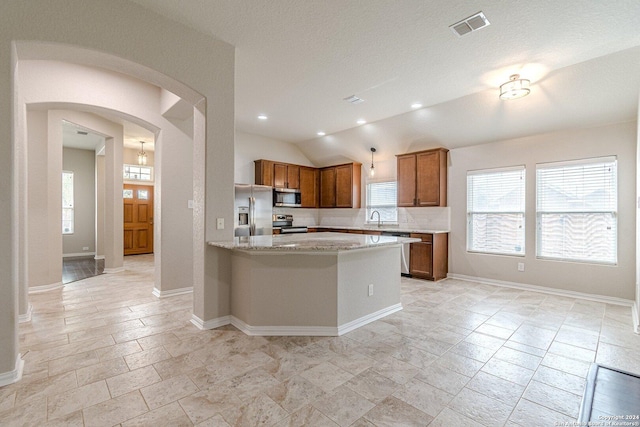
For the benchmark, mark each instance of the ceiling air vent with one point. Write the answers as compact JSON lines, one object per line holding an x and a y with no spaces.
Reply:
{"x":353,"y":99}
{"x":81,"y":132}
{"x":472,"y":23}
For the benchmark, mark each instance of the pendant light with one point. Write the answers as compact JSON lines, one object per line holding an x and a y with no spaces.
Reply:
{"x":142,"y":156}
{"x":372,"y":170}
{"x":515,"y":88}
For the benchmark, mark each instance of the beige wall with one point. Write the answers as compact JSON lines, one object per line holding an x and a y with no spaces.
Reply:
{"x":203,"y":74}
{"x":82,"y":164}
{"x":613,"y":140}
{"x":249,"y":147}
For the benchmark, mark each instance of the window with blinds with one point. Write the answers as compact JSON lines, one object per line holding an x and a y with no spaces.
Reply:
{"x":576,"y":210}
{"x":495,"y":211}
{"x":382,"y":197}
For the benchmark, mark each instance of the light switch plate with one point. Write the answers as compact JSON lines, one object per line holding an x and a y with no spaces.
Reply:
{"x":220,"y":224}
{"x":190,"y":204}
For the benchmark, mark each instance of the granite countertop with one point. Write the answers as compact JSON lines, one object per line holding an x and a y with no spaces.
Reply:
{"x":403,"y":229}
{"x":311,"y":242}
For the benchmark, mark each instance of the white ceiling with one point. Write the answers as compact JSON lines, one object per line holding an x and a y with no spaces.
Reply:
{"x":296,"y":61}
{"x":132,"y":132}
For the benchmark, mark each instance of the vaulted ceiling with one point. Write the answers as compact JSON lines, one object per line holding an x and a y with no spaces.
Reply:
{"x":297,"y":60}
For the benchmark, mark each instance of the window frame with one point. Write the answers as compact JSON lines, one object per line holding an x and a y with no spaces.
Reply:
{"x":522,"y":213}
{"x":370,"y":208}
{"x":613,"y":213}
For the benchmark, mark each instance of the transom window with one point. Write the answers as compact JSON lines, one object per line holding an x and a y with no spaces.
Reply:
{"x":496,"y":211}
{"x":577,"y":210}
{"x":138,"y":173}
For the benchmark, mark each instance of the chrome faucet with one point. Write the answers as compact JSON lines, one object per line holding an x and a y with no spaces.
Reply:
{"x":375,"y":212}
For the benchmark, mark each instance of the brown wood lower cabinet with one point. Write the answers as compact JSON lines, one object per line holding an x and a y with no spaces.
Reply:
{"x":429,"y":258}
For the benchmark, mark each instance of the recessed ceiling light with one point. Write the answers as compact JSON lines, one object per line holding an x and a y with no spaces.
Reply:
{"x":416,"y":105}
{"x":361,"y":121}
{"x":321,"y":133}
{"x":262,"y":117}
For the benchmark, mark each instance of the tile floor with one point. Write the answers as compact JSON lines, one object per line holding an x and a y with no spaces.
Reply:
{"x":104,"y":351}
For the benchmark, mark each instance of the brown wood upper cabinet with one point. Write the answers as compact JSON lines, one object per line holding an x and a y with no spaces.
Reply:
{"x":309,"y":187}
{"x":286,"y":175}
{"x":422,"y":178}
{"x":340,"y":186}
{"x":264,"y":172}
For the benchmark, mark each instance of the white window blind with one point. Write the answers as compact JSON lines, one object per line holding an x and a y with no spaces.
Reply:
{"x":495,"y":211}
{"x":577,"y":210}
{"x":67,"y":203}
{"x":382,"y":197}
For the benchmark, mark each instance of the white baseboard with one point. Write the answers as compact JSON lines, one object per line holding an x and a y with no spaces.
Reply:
{"x":79,"y":254}
{"x":171,"y":292}
{"x":26,"y":317}
{"x":313,"y":331}
{"x":636,"y":318}
{"x":98,"y":257}
{"x":14,"y":376}
{"x":45,"y":288}
{"x":545,"y":290}
{"x":310,"y":331}
{"x":210,"y":324}
{"x":113,"y":270}
{"x":355,"y":324}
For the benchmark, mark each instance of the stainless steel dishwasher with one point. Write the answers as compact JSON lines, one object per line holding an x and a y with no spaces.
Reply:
{"x":405,"y":257}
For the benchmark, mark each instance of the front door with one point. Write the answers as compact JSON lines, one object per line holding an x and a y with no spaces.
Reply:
{"x":138,"y":219}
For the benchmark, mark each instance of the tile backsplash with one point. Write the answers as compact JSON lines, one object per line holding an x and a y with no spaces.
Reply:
{"x":427,"y":218}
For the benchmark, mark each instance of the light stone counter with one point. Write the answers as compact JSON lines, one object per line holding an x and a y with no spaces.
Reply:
{"x":312,"y":284}
{"x":311,"y":242}
{"x":383,"y":227}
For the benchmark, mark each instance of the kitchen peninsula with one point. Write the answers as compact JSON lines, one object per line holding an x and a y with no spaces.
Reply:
{"x":321,"y":284}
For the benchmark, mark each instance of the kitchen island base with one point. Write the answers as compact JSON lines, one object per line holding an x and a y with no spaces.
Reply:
{"x":313,"y":294}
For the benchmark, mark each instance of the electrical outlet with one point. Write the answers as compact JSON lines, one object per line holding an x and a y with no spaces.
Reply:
{"x":371,"y":290}
{"x":220,"y":224}
{"x":85,"y":248}
{"x":521,"y":266}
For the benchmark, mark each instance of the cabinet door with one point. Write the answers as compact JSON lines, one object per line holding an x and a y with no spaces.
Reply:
{"x":420,"y":263}
{"x":309,"y":187}
{"x":344,"y":186}
{"x":293,"y":176}
{"x":328,"y":188}
{"x":406,"y":180}
{"x":264,"y":172}
{"x":428,"y":179}
{"x":279,"y":175}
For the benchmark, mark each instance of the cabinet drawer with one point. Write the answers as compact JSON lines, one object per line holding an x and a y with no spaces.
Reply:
{"x":424,"y":237}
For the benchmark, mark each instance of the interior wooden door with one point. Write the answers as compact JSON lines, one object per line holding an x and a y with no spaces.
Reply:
{"x":138,"y":219}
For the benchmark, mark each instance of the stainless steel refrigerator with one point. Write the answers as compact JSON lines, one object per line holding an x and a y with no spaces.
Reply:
{"x":253,"y":210}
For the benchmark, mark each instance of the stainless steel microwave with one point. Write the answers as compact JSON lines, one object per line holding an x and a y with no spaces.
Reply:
{"x":287,"y":197}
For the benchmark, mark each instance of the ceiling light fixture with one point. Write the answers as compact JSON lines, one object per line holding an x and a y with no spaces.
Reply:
{"x":142,"y":156}
{"x":372,"y":171}
{"x":262,"y":117}
{"x":321,"y":133}
{"x":515,"y":88}
{"x":361,"y":121}
{"x":416,"y":105}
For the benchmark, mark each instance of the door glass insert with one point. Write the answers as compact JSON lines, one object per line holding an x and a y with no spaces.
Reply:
{"x":127,"y":194}
{"x":143,"y":194}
